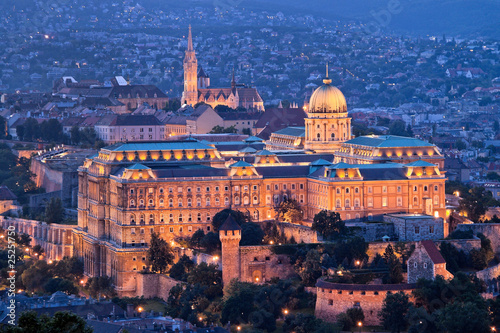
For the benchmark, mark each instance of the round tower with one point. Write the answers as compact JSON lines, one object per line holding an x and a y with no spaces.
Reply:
{"x":230,"y":236}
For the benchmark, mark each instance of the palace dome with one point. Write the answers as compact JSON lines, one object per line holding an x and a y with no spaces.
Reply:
{"x":327,"y":99}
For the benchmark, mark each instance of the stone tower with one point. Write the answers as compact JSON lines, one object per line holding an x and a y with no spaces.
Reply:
{"x":230,"y":236}
{"x":327,"y":123}
{"x":190,"y":94}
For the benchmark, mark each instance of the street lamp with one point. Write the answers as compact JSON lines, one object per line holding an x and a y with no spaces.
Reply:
{"x":493,"y":329}
{"x":238,"y":328}
{"x":139,"y":309}
{"x":360,"y":325}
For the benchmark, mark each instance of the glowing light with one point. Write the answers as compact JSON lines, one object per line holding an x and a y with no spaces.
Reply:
{"x":50,"y":261}
{"x":82,"y":282}
{"x":436,"y":214}
{"x":360,"y":324}
{"x":271,"y":242}
{"x":285,"y":311}
{"x":139,"y":309}
{"x":200,"y":318}
{"x":256,"y":279}
{"x":215,"y":258}
{"x":238,"y":328}
{"x":358,"y":262}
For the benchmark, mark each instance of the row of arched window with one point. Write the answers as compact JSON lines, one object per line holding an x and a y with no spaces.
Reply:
{"x":189,"y":202}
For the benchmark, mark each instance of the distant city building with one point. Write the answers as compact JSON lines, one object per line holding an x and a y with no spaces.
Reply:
{"x":116,"y":128}
{"x":197,"y":87}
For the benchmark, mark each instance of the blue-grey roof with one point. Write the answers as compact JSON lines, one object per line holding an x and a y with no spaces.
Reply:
{"x":240,"y":164}
{"x":420,"y":163}
{"x":248,"y":150}
{"x":163,"y":145}
{"x":388,"y":141}
{"x":253,"y":139}
{"x":292,"y":131}
{"x":137,"y":166}
{"x":320,"y":162}
{"x":265,"y":152}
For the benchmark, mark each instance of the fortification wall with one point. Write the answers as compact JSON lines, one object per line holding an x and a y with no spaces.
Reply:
{"x":154,"y":285}
{"x":490,"y":230}
{"x":55,"y":239}
{"x":333,"y":299}
{"x":489,"y":273}
{"x":259,"y":264}
{"x":300,"y":233}
{"x":198,"y":257}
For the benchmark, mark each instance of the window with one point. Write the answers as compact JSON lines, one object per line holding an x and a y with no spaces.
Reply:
{"x":268,"y":187}
{"x":255,"y":200}
{"x":226,"y":188}
{"x":369,"y":202}
{"x":142,"y":230}
{"x":284,"y":187}
{"x":161,"y":202}
{"x":198,"y":202}
{"x":180,"y":217}
{"x":417,"y":230}
{"x":301,"y":186}
{"x":198,"y":217}
{"x":384,"y":189}
{"x":179,"y":202}
{"x":171,"y":229}
{"x":245,"y":188}
{"x":370,"y":189}
{"x":161,"y":218}
{"x":338,"y":190}
{"x":189,"y":189}
{"x":338,"y":204}
{"x":132,"y":231}
{"x":131,"y":191}
{"x":170,"y":190}
{"x":141,"y":202}
{"x":207,"y":189}
{"x":216,"y":201}
{"x":415,"y":189}
{"x":347,"y":203}
{"x":425,"y":265}
{"x":208,"y":219}
{"x":216,"y":188}
{"x":190,"y":217}
{"x":399,"y":189}
{"x":226,"y":201}
{"x":207,"y":201}
{"x":171,"y":218}
{"x":179,"y":189}
{"x":356,"y":190}
{"x":151,"y":202}
{"x":151,"y":219}
{"x":132,"y":203}
{"x":415,"y":264}
{"x":356,"y":203}
{"x":347,"y":190}
{"x":384,"y":202}
{"x":436,"y":200}
{"x":255,"y":187}
{"x":150,"y":190}
{"x":161,"y":190}
{"x":435,"y":188}
{"x":425,"y":188}
{"x":256,"y":215}
{"x":236,"y":200}
{"x":400,"y":201}
{"x":431,"y":229}
{"x":170,"y":202}
{"x":415,"y":201}
{"x":276,"y":187}
{"x":198,"y":189}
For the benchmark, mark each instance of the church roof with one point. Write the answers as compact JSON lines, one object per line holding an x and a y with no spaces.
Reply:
{"x":230,"y":224}
{"x":201,"y":73}
{"x":433,"y":252}
{"x":6,"y":193}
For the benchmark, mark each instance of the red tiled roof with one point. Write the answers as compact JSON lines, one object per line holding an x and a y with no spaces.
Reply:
{"x":433,"y":252}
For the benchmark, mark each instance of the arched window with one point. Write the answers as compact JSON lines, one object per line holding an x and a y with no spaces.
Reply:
{"x":216,"y":201}
{"x":208,"y":217}
{"x":255,"y":200}
{"x":132,"y":219}
{"x":347,"y":190}
{"x":256,"y":215}
{"x":425,"y":188}
{"x":207,"y":201}
{"x":180,"y":217}
{"x":226,"y":201}
{"x":190,"y":202}
{"x":370,"y":202}
{"x":162,"y":220}
{"x":415,"y":201}
{"x":236,"y":200}
{"x":190,"y":217}
{"x":318,"y":136}
{"x":132,"y":203}
{"x":198,"y":202}
{"x":356,"y":203}
{"x":337,"y":204}
{"x":171,"y":218}
{"x":179,"y":202}
{"x":141,"y":202}
{"x":151,"y":219}
{"x":347,"y":203}
{"x":151,"y":202}
{"x":142,"y":219}
{"x":199,"y":217}
{"x":170,"y":202}
{"x":332,"y":136}
{"x":161,"y":190}
{"x":436,"y":200}
{"x":161,"y":202}
{"x":246,"y":200}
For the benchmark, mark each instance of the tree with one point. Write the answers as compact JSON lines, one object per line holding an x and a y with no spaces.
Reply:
{"x":181,"y":268}
{"x":329,"y":224}
{"x":394,"y":312}
{"x":208,"y":276}
{"x":54,"y":211}
{"x":35,"y":276}
{"x":38,"y":250}
{"x":160,"y":254}
{"x":251,"y":234}
{"x":196,"y":238}
{"x":349,"y":319}
{"x":59,"y":284}
{"x":75,"y":135}
{"x":310,"y":270}
{"x":239,"y":303}
{"x":61,"y":322}
{"x":220,"y":130}
{"x":460,"y":144}
{"x":24,"y":240}
{"x":460,"y":317}
{"x":476,"y":202}
{"x":395,"y":270}
{"x":221,"y":217}
{"x":398,"y":127}
{"x":290,"y":211}
{"x":20,"y":131}
{"x":211,"y":242}
{"x":100,"y":286}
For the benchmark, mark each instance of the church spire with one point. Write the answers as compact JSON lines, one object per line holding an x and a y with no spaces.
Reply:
{"x":233,"y":81}
{"x":190,"y":40}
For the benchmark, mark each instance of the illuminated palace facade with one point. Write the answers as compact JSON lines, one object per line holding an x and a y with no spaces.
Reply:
{"x":130,"y":190}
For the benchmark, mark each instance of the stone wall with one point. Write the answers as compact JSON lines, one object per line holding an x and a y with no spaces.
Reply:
{"x":40,"y":200}
{"x":490,"y":230}
{"x":198,"y":257}
{"x":259,"y":264}
{"x":489,"y":273}
{"x":416,"y":227}
{"x":300,"y":233}
{"x":335,"y":298}
{"x":372,"y":231}
{"x":154,"y":285}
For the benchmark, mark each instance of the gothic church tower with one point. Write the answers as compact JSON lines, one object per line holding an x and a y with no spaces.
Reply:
{"x":190,"y":94}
